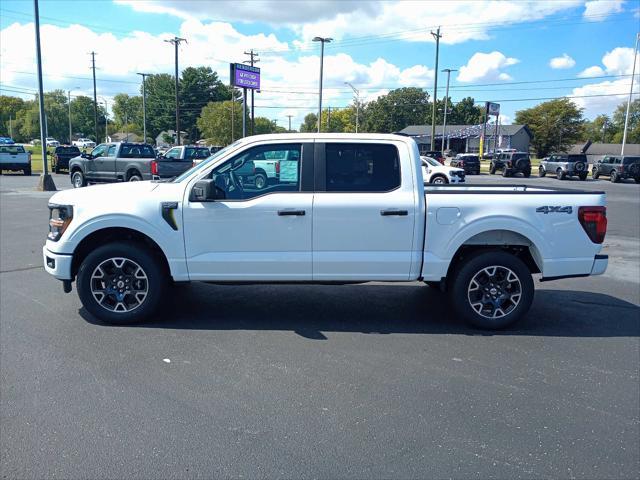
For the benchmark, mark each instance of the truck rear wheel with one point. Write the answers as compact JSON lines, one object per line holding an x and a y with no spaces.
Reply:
{"x":491,"y":290}
{"x":121,"y":283}
{"x":134,"y":177}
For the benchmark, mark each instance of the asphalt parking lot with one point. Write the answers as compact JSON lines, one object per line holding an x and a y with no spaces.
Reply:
{"x":363,"y":381}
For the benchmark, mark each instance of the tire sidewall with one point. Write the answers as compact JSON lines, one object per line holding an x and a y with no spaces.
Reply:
{"x":82,"y":182}
{"x":157,"y":281}
{"x":469,"y":268}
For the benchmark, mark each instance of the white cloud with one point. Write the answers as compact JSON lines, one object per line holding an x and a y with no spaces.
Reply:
{"x":618,"y":61}
{"x":486,"y":67}
{"x":291,"y":84}
{"x":594,"y":71}
{"x":598,"y":10}
{"x":461,"y":20}
{"x":561,"y":62}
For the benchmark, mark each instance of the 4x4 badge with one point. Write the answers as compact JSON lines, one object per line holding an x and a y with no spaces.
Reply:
{"x":556,"y":209}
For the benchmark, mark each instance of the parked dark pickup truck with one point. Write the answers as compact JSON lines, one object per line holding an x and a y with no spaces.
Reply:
{"x":61,"y":156}
{"x":177,"y":160}
{"x":112,"y":162}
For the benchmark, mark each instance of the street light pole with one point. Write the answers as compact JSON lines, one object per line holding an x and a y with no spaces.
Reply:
{"x":633,"y":74}
{"x":46,"y":181}
{"x":69,"y":102}
{"x":437,"y":36}
{"x":357,"y":93}
{"x":289,"y":116}
{"x":322,"y":41}
{"x":144,"y":106}
{"x":446,"y":103}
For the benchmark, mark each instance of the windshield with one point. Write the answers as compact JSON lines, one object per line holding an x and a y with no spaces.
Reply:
{"x":13,"y":149}
{"x":206,"y":162}
{"x":431,"y":161}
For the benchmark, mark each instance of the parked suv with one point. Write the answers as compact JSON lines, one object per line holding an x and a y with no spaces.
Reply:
{"x":617,"y":167}
{"x":564,"y":166}
{"x":469,"y":162}
{"x":511,"y":163}
{"x":61,"y":156}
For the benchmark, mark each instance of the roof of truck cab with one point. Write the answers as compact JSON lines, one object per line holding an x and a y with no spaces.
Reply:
{"x":330,"y":136}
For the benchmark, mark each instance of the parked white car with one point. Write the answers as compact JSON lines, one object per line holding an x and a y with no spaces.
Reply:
{"x":84,"y":143}
{"x":349,"y":208}
{"x":52,"y":142}
{"x":434,"y":172}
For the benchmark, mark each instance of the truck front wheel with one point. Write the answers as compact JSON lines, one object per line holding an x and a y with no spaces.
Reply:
{"x":77,"y":179}
{"x":491,"y":290}
{"x":121,"y":283}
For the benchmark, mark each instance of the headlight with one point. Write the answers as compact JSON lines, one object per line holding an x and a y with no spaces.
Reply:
{"x":60,"y":217}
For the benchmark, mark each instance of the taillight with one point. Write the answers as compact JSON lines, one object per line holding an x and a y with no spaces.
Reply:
{"x":154,"y":167}
{"x":278,"y":167}
{"x":594,"y":222}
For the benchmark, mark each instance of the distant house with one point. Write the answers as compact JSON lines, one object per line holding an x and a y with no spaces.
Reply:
{"x":161,"y":139}
{"x":466,"y":138}
{"x":595,"y":151}
{"x":124,"y":137}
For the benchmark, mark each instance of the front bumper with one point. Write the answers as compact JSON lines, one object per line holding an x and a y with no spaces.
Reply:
{"x":57,"y":264}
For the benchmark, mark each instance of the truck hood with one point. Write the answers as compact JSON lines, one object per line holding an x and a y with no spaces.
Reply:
{"x":103,"y":193}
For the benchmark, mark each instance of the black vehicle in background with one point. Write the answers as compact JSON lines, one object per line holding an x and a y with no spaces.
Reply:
{"x":511,"y":163}
{"x":61,"y":156}
{"x":433,"y":154}
{"x":617,"y":167}
{"x":469,"y":162}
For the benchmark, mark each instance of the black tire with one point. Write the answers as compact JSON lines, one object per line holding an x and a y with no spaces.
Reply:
{"x":462,"y":297}
{"x":505,"y":172}
{"x":595,"y":174}
{"x":583,"y":176}
{"x":433,"y":284}
{"x":56,"y":168}
{"x":527,"y":173}
{"x":614,"y":177}
{"x":492,"y":169}
{"x":541,"y":171}
{"x":77,"y":179}
{"x":260,"y":181}
{"x":637,"y":179}
{"x":134,"y":176}
{"x":560,"y":175}
{"x":439,"y":180}
{"x":155,"y":282}
{"x":27,"y":172}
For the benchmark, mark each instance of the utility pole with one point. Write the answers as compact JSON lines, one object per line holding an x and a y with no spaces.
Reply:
{"x":251,"y":62}
{"x":289,"y":116}
{"x":437,"y":36}
{"x":69,"y":102}
{"x":322,"y":41}
{"x":357,"y":93}
{"x":144,"y":105}
{"x":106,"y":121}
{"x":11,"y":128}
{"x":633,"y":74}
{"x":46,"y":182}
{"x":176,"y":41}
{"x":95,"y":99}
{"x":233,"y":94}
{"x":446,"y":103}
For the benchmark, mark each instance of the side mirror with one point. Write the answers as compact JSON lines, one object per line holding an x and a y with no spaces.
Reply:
{"x":206,"y":191}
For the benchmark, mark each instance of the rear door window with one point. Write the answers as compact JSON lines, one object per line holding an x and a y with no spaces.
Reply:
{"x":361,"y":167}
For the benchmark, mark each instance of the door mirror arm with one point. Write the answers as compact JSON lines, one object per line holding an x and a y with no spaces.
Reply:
{"x":206,"y":191}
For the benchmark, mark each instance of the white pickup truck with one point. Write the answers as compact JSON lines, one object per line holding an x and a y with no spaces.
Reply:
{"x":353,"y":208}
{"x":15,"y":157}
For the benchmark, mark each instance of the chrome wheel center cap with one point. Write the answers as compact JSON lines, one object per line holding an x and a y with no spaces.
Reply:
{"x":120,"y":284}
{"x":493,"y":291}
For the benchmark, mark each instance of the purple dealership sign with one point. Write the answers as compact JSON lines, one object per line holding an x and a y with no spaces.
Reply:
{"x":245,"y":76}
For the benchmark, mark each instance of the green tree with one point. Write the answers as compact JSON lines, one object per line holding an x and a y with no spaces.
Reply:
{"x":396,"y":110}
{"x":198,"y":87}
{"x":310,"y":123}
{"x":127,"y":111}
{"x":556,"y":125}
{"x":160,"y":103}
{"x":82,"y":118}
{"x":633,"y":132}
{"x":215,"y":122}
{"x":465,"y":112}
{"x":9,"y":108}
{"x":600,"y":129}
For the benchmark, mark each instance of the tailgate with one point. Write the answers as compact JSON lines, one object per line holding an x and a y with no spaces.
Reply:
{"x":171,"y":168}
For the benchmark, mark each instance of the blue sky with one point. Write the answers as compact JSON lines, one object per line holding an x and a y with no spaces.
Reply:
{"x":494,"y":45}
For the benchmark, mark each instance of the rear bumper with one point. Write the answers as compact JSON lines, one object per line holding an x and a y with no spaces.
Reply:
{"x":14,"y":166}
{"x":57,"y":264}
{"x":598,"y":267}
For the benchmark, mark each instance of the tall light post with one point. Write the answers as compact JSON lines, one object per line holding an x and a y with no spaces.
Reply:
{"x":69,"y":102}
{"x":357,"y":93}
{"x":446,"y":100}
{"x":322,"y":41}
{"x":144,"y":106}
{"x":633,"y":74}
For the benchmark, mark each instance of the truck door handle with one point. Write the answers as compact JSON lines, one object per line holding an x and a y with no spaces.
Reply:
{"x":291,"y":213}
{"x":399,"y":213}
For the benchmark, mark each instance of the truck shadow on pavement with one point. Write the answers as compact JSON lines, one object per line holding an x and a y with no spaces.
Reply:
{"x":310,"y":310}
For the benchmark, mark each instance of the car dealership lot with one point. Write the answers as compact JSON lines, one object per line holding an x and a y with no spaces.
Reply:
{"x":374,"y":380}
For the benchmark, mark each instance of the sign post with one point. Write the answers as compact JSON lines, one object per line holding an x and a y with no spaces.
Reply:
{"x":245,"y":77}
